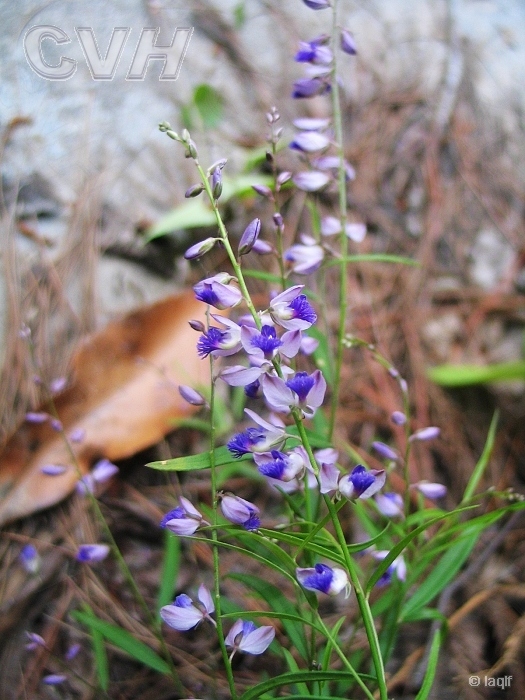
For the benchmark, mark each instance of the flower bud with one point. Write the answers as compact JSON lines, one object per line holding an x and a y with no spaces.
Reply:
{"x":173,"y":135}
{"x":164,"y":126}
{"x":263,"y":191}
{"x":191,"y":150}
{"x":197,"y":326}
{"x":192,"y":396}
{"x":194,"y":190}
{"x":216,"y":183}
{"x":250,"y":235}
{"x":347,"y":43}
{"x":199,"y":249}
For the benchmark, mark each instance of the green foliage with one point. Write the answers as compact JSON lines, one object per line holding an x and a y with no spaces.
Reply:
{"x":124,"y":640}
{"x":468,"y":375}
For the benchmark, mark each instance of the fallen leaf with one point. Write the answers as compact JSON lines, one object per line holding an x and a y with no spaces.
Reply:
{"x":123,"y":394}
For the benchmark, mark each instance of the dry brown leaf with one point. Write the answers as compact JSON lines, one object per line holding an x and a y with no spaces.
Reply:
{"x":123,"y":394}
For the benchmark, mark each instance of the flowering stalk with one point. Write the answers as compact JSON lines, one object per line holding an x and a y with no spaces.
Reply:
{"x":215,"y":548}
{"x":341,"y":181}
{"x":362,"y":599}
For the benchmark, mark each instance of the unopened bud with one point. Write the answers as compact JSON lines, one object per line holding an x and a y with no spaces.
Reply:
{"x":194,"y":190}
{"x":278,"y":220}
{"x":173,"y":135}
{"x":164,"y":126}
{"x":216,"y":183}
{"x":263,"y":191}
{"x":191,"y":150}
{"x":249,"y":237}
{"x":283,"y":177}
{"x":197,"y":326}
{"x":199,"y":249}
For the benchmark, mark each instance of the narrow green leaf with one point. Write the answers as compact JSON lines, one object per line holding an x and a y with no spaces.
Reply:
{"x":299,"y":677}
{"x":374,"y":257}
{"x":278,"y":602}
{"x":329,"y":644}
{"x":430,"y":674}
{"x":480,"y":467}
{"x":294,"y":668}
{"x":209,"y":104}
{"x":323,"y":355}
{"x":192,"y":463}
{"x":297,"y":541}
{"x":170,"y":569}
{"x":466,"y":375}
{"x":442,"y":574}
{"x":99,"y":653}
{"x":122,"y":639}
{"x":262,"y":275}
{"x":396,"y":551}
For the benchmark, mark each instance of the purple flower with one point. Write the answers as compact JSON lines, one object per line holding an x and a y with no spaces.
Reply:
{"x":389,"y":504}
{"x":101,"y":472}
{"x":199,"y":249}
{"x":385,"y":451}
{"x":262,"y":247}
{"x":217,"y":291}
{"x":260,"y":439}
{"x":306,"y":257}
{"x":183,"y":614}
{"x":332,"y":163}
{"x":263,"y":190}
{"x":263,"y":343}
{"x":77,"y":435}
{"x":361,"y":483}
{"x":218,"y":342}
{"x":72,"y":652}
{"x":280,"y":465}
{"x":324,"y":578}
{"x":292,"y":310}
{"x":309,"y":141}
{"x":317,"y":4}
{"x":431,"y":490}
{"x":355,"y":232}
{"x":36,"y":416}
{"x":239,"y":511}
{"x":314,"y":52}
{"x":53,"y":469}
{"x":397,"y":567}
{"x":311,"y":124}
{"x":308,"y":345}
{"x":302,"y":390}
{"x":249,"y":237}
{"x":57,"y":385}
{"x":192,"y":396}
{"x":54,"y":679}
{"x":347,"y":43}
{"x":309,"y":87}
{"x":311,"y":180}
{"x":183,"y":520}
{"x":56,"y":425}
{"x":89,"y":553}
{"x":245,"y":636}
{"x":425,"y":434}
{"x":398,"y":418}
{"x":35,"y":640}
{"x":29,"y":559}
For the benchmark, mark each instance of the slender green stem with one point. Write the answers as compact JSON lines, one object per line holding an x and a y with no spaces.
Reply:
{"x":362,"y":601}
{"x":229,"y":250}
{"x":214,"y":538}
{"x":343,"y":280}
{"x":343,"y":658}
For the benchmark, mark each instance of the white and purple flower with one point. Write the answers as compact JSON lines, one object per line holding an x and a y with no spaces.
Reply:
{"x":324,"y":578}
{"x":90,"y":553}
{"x":361,"y":483}
{"x":305,"y":257}
{"x":261,"y":439}
{"x":239,"y":511}
{"x":389,"y":504}
{"x":397,"y":567}
{"x":245,"y":636}
{"x":183,"y":520}
{"x":306,"y":391}
{"x":219,"y":342}
{"x":281,"y":466}
{"x":218,"y":292}
{"x":292,"y":310}
{"x":183,"y":614}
